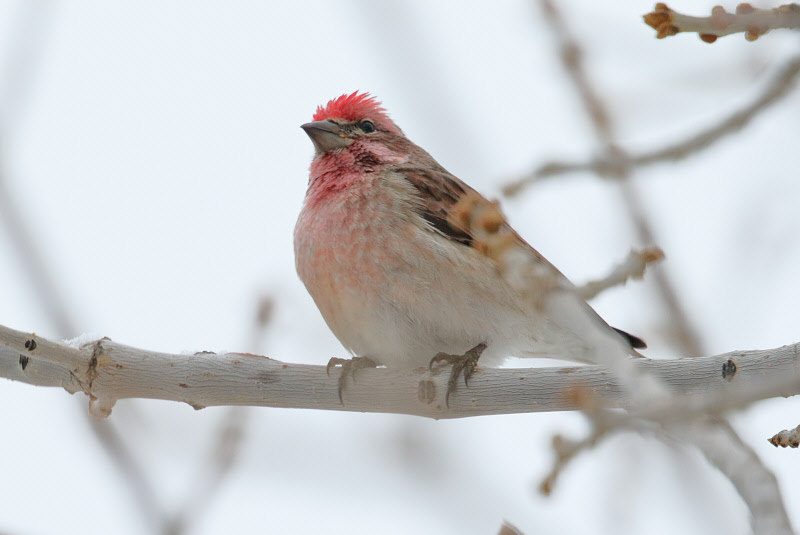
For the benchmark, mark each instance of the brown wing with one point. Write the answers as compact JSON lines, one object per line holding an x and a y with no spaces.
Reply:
{"x":458,"y":212}
{"x":439,"y":192}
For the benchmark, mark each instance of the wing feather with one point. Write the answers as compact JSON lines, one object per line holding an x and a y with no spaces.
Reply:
{"x":449,"y":205}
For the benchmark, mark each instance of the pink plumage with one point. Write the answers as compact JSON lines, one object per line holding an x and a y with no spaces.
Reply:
{"x":385,"y":246}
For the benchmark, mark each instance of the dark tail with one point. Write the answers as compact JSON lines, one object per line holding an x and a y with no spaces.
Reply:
{"x":635,"y":342}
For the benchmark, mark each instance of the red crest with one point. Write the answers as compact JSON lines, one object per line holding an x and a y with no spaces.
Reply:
{"x":353,"y":107}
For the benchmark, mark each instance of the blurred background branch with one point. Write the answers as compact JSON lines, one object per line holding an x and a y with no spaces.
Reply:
{"x":755,"y":483}
{"x":24,"y":56}
{"x":631,"y":268}
{"x":780,"y":86}
{"x":685,"y":339}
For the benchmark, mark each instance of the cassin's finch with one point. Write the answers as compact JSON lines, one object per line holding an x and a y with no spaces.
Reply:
{"x":397,"y":272}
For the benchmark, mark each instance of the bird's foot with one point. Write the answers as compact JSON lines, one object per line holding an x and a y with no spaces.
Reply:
{"x":465,"y":364}
{"x":349,"y":367}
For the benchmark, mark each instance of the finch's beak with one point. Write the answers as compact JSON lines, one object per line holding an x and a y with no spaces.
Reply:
{"x":326,"y":136}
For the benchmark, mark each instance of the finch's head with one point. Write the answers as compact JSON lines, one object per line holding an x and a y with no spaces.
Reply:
{"x":347,"y":119}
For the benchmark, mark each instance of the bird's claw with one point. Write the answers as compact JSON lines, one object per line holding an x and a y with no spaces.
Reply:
{"x":465,"y":364}
{"x":349,"y":367}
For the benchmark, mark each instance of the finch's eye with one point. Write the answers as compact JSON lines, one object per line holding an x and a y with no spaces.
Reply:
{"x":367,"y":126}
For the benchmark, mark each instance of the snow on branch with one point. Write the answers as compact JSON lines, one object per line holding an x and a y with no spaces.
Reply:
{"x":747,"y":19}
{"x":107,"y":371}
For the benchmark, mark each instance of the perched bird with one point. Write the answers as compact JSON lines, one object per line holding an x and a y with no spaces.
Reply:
{"x":397,"y":271}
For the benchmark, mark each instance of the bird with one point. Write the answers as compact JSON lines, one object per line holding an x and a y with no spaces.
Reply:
{"x":401,"y":276}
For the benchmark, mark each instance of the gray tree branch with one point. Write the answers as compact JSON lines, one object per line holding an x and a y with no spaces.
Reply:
{"x":107,"y":371}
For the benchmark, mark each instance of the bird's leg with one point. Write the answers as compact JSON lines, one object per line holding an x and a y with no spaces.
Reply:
{"x":349,"y":367}
{"x":465,"y":364}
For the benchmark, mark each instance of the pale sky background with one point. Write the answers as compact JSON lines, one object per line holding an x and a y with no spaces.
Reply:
{"x":155,"y":151}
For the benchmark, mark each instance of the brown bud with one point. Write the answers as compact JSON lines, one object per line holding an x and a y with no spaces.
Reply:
{"x":489,"y":219}
{"x":653,"y":254}
{"x":661,"y":20}
{"x":752,"y":33}
{"x":499,"y":244}
{"x":720,"y":19}
{"x":744,"y":9}
{"x":708,"y":38}
{"x":655,"y":19}
{"x":462,"y":212}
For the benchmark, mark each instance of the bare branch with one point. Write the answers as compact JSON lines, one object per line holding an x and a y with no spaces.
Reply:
{"x":108,"y":371}
{"x":779,"y":87}
{"x":125,"y":462}
{"x":787,"y":438}
{"x":748,"y":20}
{"x":617,"y":167}
{"x":30,"y":34}
{"x":604,"y":423}
{"x":211,"y":473}
{"x":682,"y":334}
{"x":631,"y":268}
{"x":713,"y":436}
{"x":755,"y":483}
{"x":227,"y":446}
{"x":572,"y":59}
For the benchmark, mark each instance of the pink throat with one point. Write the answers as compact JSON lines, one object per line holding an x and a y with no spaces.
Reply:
{"x":335,"y":171}
{"x":332,"y":172}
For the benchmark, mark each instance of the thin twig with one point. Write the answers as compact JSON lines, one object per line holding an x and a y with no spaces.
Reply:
{"x":604,"y":424}
{"x":713,"y":436}
{"x":29,"y":34}
{"x":683,"y":334}
{"x":211,"y":473}
{"x":130,"y":470}
{"x":787,"y":438}
{"x":780,"y":85}
{"x":754,"y":482}
{"x":227,"y":445}
{"x":572,"y":59}
{"x":776,"y":89}
{"x":631,"y":268}
{"x":748,"y":20}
